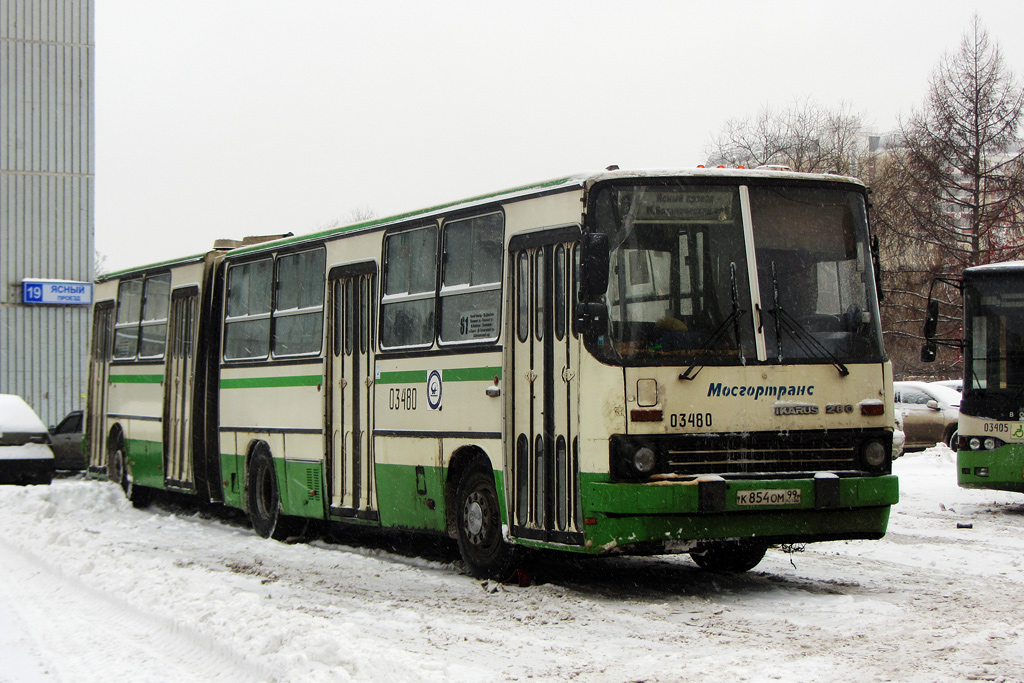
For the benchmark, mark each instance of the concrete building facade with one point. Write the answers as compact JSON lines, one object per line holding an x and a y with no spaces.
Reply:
{"x":47,"y":188}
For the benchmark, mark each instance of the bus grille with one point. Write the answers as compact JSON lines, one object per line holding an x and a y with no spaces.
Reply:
{"x":751,"y":453}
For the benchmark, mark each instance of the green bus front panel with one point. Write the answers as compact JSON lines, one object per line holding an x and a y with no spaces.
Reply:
{"x":1001,"y":469}
{"x":146,"y":462}
{"x":621,"y":514}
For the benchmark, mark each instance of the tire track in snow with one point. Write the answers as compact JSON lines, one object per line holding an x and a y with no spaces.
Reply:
{"x":122,"y":641}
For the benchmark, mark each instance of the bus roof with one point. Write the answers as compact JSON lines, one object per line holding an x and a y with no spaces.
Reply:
{"x":578,"y":180}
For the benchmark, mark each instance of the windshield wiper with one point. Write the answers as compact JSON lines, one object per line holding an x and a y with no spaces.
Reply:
{"x":804,"y":339}
{"x":733,"y":318}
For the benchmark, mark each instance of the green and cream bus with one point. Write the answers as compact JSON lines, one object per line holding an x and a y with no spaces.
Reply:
{"x":617,"y":362}
{"x":990,"y":442}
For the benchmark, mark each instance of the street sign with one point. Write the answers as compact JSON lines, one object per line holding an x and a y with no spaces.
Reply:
{"x":58,"y":292}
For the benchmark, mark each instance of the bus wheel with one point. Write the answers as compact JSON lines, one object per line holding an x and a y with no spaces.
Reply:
{"x":729,"y":557}
{"x":478,"y":519}
{"x":263,"y":501}
{"x":119,"y":473}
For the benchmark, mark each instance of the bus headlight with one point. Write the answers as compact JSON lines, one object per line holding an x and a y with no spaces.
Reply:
{"x":975,"y":443}
{"x":644,"y":460}
{"x":991,"y":444}
{"x":873,"y":454}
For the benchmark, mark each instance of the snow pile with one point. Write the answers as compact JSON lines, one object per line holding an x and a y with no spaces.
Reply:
{"x":96,"y":590}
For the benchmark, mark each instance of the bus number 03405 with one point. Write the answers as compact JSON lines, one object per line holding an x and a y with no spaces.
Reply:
{"x":691,"y":420}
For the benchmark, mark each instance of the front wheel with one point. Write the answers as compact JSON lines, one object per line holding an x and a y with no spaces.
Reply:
{"x":478,"y":518}
{"x":729,"y":557}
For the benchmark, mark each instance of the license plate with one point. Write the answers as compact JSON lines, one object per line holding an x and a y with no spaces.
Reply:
{"x":768,"y":497}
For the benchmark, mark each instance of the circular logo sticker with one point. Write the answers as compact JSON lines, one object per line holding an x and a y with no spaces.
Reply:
{"x":434,"y":390}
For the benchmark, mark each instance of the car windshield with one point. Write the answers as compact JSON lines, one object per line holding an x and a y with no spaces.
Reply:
{"x":683,"y":257}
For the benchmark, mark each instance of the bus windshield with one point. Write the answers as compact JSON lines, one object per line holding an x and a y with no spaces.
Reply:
{"x":994,"y":338}
{"x":733,"y":274}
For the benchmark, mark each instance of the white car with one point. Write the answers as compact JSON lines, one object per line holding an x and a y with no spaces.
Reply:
{"x":25,"y":455}
{"x":930,"y":413}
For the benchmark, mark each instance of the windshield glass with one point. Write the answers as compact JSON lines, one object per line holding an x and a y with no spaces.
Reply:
{"x":995,"y":333}
{"x":815,"y":273}
{"x":679,"y":274}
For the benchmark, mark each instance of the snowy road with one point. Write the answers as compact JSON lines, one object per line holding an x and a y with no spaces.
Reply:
{"x":94,"y":590}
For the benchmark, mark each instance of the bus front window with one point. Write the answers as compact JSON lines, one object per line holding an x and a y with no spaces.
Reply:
{"x":995,"y":334}
{"x":815,"y":274}
{"x":678,"y":284}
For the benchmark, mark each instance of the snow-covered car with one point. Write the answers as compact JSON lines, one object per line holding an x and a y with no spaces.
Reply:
{"x":930,"y":413}
{"x":899,"y":437}
{"x":66,"y":442}
{"x":25,"y":455}
{"x":957,"y":384}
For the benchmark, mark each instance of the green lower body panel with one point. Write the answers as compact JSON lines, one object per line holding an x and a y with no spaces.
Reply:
{"x":301,"y":487}
{"x":1001,"y":469}
{"x":146,"y":462}
{"x":619,"y":515}
{"x":411,"y":497}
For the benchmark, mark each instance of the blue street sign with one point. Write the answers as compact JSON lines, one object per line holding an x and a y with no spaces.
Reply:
{"x":58,"y":292}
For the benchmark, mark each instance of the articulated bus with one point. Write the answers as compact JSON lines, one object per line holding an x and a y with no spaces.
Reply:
{"x":616,"y":362}
{"x":990,"y":449}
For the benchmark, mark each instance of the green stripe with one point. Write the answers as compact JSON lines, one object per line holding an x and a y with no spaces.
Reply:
{"x":136,"y":379}
{"x":271,"y":382}
{"x":450,"y":375}
{"x":471,"y":374}
{"x":406,"y":377}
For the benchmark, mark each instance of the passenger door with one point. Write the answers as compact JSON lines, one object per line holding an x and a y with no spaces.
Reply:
{"x":99,"y":375}
{"x":180,"y":375}
{"x":350,"y":413}
{"x":544,"y":387}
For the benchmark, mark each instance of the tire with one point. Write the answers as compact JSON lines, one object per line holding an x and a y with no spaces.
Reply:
{"x":263,"y":501}
{"x":952,"y":435}
{"x":729,"y":557}
{"x":120,"y":473}
{"x":478,"y":521}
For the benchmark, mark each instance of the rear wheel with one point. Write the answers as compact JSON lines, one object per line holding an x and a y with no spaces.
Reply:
{"x":952,"y":436}
{"x":119,"y":472}
{"x":729,"y":556}
{"x":263,"y":499}
{"x":478,"y":519}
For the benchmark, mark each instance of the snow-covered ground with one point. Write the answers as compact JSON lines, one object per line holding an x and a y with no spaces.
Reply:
{"x":94,"y":590}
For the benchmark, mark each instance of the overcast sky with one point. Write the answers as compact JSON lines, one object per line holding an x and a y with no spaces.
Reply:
{"x":226,"y":118}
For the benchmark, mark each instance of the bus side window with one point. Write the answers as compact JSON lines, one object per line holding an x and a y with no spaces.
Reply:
{"x":471,"y":279}
{"x":410,"y":281}
{"x":247,"y":320}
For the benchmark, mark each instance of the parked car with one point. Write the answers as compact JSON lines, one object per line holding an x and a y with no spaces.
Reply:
{"x":957,"y":384}
{"x":25,"y":455}
{"x":899,"y":437}
{"x":930,"y":413}
{"x":66,"y":442}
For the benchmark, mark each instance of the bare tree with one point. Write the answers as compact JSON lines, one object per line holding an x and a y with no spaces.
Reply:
{"x":804,"y":137}
{"x":950,"y":193}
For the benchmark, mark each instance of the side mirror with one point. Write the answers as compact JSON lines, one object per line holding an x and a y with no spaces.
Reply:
{"x":591,"y":318}
{"x":931,"y":320}
{"x":933,"y":404}
{"x":928,"y":352}
{"x":594,"y":260}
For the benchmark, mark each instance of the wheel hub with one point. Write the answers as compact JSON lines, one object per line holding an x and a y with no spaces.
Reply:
{"x":474,"y":518}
